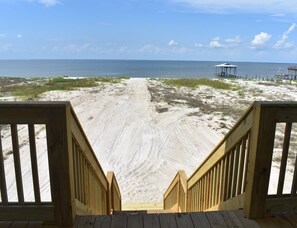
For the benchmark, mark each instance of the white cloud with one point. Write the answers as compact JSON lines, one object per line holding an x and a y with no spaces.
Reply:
{"x":198,"y":45}
{"x":150,"y":48}
{"x":260,"y":39}
{"x":255,"y":6}
{"x":282,"y":42}
{"x":19,"y":36}
{"x":172,"y":43}
{"x":2,"y":35}
{"x":72,"y":48}
{"x":227,"y":43}
{"x":233,"y":42}
{"x":216,"y":43}
{"x":49,"y":3}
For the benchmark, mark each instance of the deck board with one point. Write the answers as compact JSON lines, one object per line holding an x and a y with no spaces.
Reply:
{"x":200,"y":220}
{"x":103,"y":221}
{"x":119,"y":221}
{"x":135,"y":221}
{"x":19,"y":225}
{"x":5,"y":224}
{"x":86,"y":221}
{"x":184,"y":220}
{"x":231,"y":219}
{"x":248,"y":223}
{"x":151,"y":221}
{"x":167,"y":221}
{"x":173,"y":220}
{"x":216,"y":220}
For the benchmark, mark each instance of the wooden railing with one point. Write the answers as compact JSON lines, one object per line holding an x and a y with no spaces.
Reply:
{"x":175,"y":197}
{"x":77,"y":183}
{"x":237,"y":172}
{"x":222,"y":174}
{"x":114,"y":194}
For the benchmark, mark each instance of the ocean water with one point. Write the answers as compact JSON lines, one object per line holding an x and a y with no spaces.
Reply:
{"x":131,"y":68}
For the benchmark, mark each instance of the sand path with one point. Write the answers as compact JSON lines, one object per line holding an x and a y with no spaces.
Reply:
{"x":143,"y":147}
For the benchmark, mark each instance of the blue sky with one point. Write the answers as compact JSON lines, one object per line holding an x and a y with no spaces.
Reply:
{"x":225,"y":30}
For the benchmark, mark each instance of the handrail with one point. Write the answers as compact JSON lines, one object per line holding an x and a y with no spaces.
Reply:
{"x":221,"y":176}
{"x":78,"y":184}
{"x":236,"y":174}
{"x":175,"y":197}
{"x":114,"y":194}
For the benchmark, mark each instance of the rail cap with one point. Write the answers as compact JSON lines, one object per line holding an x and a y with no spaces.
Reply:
{"x":35,"y":104}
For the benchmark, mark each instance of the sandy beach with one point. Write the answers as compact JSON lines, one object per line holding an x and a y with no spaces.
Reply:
{"x":145,"y":131}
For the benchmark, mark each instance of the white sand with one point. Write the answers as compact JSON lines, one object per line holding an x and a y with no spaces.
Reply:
{"x":146,"y":148}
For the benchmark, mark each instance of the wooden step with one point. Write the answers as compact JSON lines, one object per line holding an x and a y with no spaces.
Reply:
{"x":222,"y":219}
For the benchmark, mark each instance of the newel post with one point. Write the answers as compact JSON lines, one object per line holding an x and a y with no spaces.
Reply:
{"x":60,"y":157}
{"x":259,"y":161}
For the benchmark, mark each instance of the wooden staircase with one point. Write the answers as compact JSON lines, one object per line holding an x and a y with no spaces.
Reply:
{"x":229,"y":189}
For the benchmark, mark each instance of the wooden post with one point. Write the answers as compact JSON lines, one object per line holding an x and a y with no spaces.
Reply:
{"x":259,"y":163}
{"x":178,"y":192}
{"x":61,"y":165}
{"x":109,"y":193}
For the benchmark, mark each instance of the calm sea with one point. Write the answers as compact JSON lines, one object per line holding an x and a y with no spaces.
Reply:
{"x":130,"y":68}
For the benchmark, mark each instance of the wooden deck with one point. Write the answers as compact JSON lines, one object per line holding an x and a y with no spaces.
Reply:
{"x":186,"y":220}
{"x":216,"y":219}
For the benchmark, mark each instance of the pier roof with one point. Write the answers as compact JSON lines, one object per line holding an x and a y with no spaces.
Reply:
{"x":228,"y":65}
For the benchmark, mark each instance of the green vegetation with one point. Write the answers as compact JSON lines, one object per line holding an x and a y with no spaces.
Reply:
{"x":193,"y":83}
{"x":33,"y":89}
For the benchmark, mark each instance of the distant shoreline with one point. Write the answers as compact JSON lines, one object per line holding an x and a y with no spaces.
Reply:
{"x":132,"y":68}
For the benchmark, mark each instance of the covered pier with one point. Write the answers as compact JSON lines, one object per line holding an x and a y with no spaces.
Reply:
{"x":226,"y":70}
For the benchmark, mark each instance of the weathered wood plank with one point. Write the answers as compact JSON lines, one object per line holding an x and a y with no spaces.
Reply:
{"x":290,"y":217}
{"x":273,"y":222}
{"x":34,"y":165}
{"x":167,"y":221}
{"x":248,"y":223}
{"x":200,"y":220}
{"x":151,"y":221}
{"x":21,"y":213}
{"x":17,"y":163}
{"x":280,"y":204}
{"x":184,"y":220}
{"x":231,"y":219}
{"x":135,"y":221}
{"x":35,"y":224}
{"x":5,"y":224}
{"x":119,"y":221}
{"x":216,"y":220}
{"x":103,"y":221}
{"x":19,"y":224}
{"x":85,"y":221}
{"x":3,"y":187}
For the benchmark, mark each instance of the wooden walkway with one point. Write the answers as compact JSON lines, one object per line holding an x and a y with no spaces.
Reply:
{"x":220,"y":219}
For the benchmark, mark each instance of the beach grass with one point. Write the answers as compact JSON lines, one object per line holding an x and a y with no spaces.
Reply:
{"x":31,"y":91}
{"x":193,"y":83}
